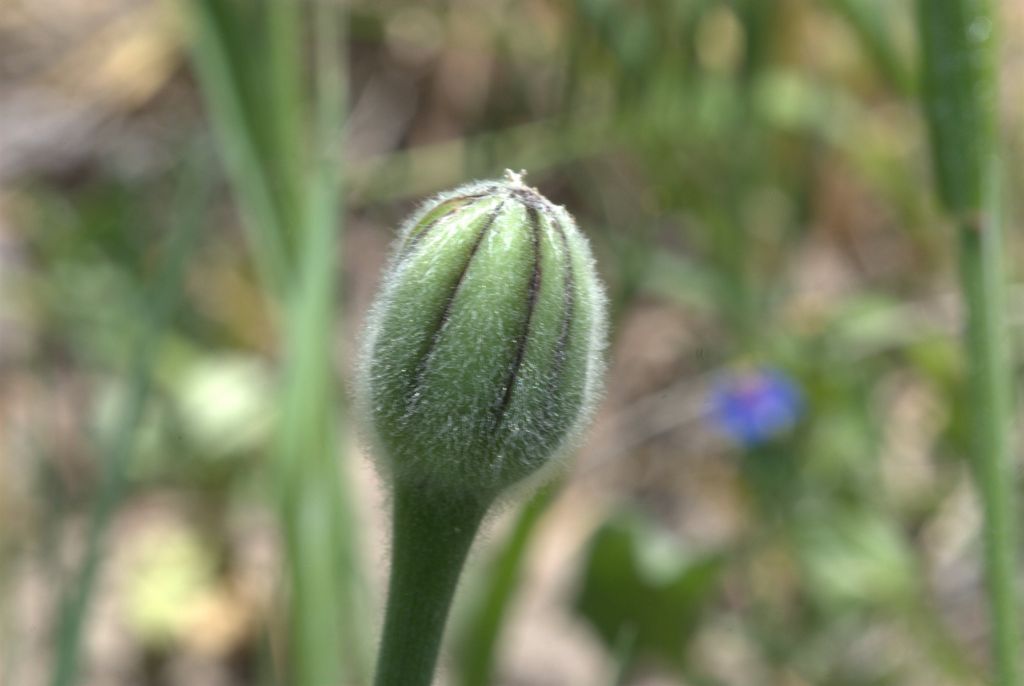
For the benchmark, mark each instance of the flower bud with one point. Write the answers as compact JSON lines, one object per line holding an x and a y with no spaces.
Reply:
{"x":482,"y":358}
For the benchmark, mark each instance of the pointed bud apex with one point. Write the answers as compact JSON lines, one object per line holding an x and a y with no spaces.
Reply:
{"x":482,"y":359}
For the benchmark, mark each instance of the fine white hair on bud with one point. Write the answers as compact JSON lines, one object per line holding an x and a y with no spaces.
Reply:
{"x":482,"y":357}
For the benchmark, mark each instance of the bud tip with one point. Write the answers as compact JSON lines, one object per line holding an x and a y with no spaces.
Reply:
{"x":515,"y":178}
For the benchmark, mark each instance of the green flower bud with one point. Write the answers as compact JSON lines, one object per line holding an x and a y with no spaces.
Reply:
{"x":482,"y":361}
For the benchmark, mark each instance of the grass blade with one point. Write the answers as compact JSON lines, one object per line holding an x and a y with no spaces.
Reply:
{"x":162,"y":301}
{"x":957,"y":39}
{"x":325,"y":648}
{"x":263,"y":152}
{"x":482,"y":632}
{"x":222,"y":84}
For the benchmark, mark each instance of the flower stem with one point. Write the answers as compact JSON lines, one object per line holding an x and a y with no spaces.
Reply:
{"x":432,"y":534}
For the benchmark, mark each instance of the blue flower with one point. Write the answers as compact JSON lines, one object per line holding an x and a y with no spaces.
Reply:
{"x":753,"y":406}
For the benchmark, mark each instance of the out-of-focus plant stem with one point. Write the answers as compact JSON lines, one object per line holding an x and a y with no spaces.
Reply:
{"x":960,"y":97}
{"x":284,"y":86}
{"x":326,"y":646}
{"x":290,"y":186}
{"x":222,"y":86}
{"x":870,"y":20}
{"x":478,"y":651}
{"x":117,"y":449}
{"x":991,"y":406}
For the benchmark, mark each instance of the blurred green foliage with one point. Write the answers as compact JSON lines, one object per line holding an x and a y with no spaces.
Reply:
{"x":640,"y":587}
{"x":754,"y":178}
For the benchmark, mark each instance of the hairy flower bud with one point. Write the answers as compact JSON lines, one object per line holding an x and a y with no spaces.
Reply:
{"x":482,"y":359}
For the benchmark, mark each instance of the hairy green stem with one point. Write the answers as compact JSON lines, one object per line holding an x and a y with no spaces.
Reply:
{"x":432,"y":534}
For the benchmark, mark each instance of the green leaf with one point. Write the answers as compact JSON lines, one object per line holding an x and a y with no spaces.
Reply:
{"x":639,"y":580}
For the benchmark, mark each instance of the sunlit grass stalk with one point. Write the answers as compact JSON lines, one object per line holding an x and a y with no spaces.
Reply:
{"x":991,"y":378}
{"x":960,"y":97}
{"x":323,"y":641}
{"x":327,"y":646}
{"x":116,"y":450}
{"x":284,"y":103}
{"x":222,"y":84}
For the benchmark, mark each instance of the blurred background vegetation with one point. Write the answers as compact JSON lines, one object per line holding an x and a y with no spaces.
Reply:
{"x":196,"y":198}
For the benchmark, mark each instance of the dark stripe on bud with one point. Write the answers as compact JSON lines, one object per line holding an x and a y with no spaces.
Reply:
{"x":531,"y":304}
{"x":446,"y":311}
